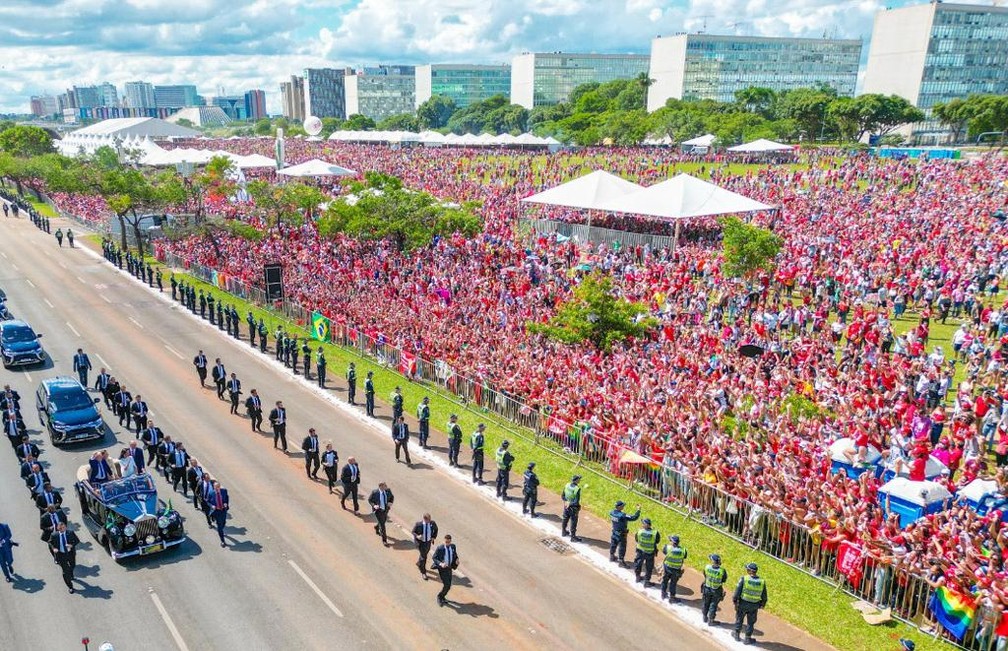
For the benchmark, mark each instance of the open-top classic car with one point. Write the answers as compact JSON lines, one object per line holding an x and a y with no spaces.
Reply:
{"x":126,"y":516}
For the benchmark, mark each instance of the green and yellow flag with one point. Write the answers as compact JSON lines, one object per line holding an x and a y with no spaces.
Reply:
{"x":320,"y":326}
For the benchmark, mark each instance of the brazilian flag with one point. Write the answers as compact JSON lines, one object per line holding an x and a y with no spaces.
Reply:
{"x":320,"y":326}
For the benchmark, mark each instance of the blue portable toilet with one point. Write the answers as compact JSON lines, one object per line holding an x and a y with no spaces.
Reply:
{"x":932,"y":470}
{"x":982,"y":495}
{"x":839,"y":462}
{"x":912,"y":500}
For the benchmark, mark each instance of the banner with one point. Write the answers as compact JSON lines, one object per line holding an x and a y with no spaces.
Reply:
{"x":953,"y":610}
{"x":320,"y":326}
{"x":850,"y":563}
{"x":407,"y":364}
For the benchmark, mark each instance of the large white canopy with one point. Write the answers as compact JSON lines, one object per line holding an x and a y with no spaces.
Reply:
{"x":316,"y":167}
{"x":681,"y":197}
{"x":136,"y":127}
{"x":760,"y":146}
{"x":589,"y":192}
{"x":705,"y":140}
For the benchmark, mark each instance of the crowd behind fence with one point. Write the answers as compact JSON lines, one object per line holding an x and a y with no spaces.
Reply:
{"x":881,"y":582}
{"x":586,"y":233}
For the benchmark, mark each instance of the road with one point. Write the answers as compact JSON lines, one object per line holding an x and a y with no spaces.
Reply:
{"x":299,"y":573}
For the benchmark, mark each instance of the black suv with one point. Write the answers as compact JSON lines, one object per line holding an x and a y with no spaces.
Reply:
{"x":68,"y":412}
{"x":19,"y":345}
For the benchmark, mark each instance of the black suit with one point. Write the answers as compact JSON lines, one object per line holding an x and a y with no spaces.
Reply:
{"x":178,"y":461}
{"x":24,"y":449}
{"x":220,"y":379}
{"x":64,"y":549}
{"x":44,"y":499}
{"x":152,"y":439}
{"x":381,"y":502}
{"x":401,"y":434}
{"x":278,"y":419}
{"x":124,"y":400}
{"x":200,"y":362}
{"x":310,"y":446}
{"x":424,"y":533}
{"x":350,"y":476}
{"x":446,"y":561}
{"x":253,"y":405}
{"x":139,"y":409}
{"x":329,"y":461}
{"x":49,"y":521}
{"x":234,"y":390}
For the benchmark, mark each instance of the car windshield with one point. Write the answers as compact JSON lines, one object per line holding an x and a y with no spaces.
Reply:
{"x":114,"y":492}
{"x":71,"y":400}
{"x":18,"y":334}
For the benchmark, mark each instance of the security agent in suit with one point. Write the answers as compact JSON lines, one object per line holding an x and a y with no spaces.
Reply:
{"x":7,"y":550}
{"x":454,"y":440}
{"x":351,"y":380}
{"x":179,"y":461}
{"x":217,"y":498}
{"x":310,"y":447}
{"x":63,"y":545}
{"x":400,"y":436}
{"x":10,"y":398}
{"x":381,"y":500}
{"x":618,"y":538}
{"x":253,"y":406}
{"x":151,"y":438}
{"x":330,"y":459}
{"x":200,"y":362}
{"x":320,"y":367}
{"x":124,"y":402}
{"x":350,"y":478}
{"x":446,"y":560}
{"x":234,"y":390}
{"x":50,"y":520}
{"x":110,"y":393}
{"x":26,"y":448}
{"x":48,"y":497}
{"x":194,"y":475}
{"x":36,"y":480}
{"x":219,"y":375}
{"x":82,"y":365}
{"x":164,"y":454}
{"x":26,"y":467}
{"x":530,"y":490}
{"x":101,"y":382}
{"x":278,"y":421}
{"x":424,"y":533}
{"x":139,"y":410}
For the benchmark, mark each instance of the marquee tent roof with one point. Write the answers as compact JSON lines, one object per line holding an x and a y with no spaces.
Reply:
{"x":681,"y":197}
{"x":700,"y":141}
{"x":759,"y":147}
{"x":589,"y":192}
{"x":316,"y":167}
{"x":136,"y":127}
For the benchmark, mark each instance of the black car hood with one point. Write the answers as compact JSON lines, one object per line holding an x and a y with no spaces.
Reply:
{"x":136,"y":506}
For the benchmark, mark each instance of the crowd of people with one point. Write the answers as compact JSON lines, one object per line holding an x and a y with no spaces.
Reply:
{"x":876,"y":253}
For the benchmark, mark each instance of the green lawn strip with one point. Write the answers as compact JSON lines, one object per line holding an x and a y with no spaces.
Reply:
{"x":796,"y":597}
{"x":44,"y":209}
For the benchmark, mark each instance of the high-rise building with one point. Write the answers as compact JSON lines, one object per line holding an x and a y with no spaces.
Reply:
{"x":44,"y":105}
{"x":707,"y":66}
{"x":325,"y":92}
{"x":87,"y":96}
{"x":179,"y":96}
{"x":382,"y":91}
{"x":109,"y":94}
{"x":139,"y":94}
{"x":292,"y":98}
{"x":933,"y":53}
{"x":233,"y":106}
{"x":464,"y":84}
{"x":255,"y":104}
{"x":545,"y":79}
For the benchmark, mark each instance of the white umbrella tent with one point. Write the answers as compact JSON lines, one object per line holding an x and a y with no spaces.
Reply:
{"x":760,"y":146}
{"x":316,"y":167}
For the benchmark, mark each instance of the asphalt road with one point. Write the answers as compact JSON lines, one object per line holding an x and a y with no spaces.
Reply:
{"x":299,"y":573}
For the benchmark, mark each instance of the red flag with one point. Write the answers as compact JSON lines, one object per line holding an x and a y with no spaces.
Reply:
{"x":850,"y":562}
{"x":407,"y":363}
{"x":556,"y":425}
{"x":1002,"y":629}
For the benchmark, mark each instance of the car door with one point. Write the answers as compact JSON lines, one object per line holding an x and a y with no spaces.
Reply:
{"x":41,"y":405}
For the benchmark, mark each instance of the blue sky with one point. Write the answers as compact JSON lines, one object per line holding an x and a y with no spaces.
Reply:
{"x":48,"y":45}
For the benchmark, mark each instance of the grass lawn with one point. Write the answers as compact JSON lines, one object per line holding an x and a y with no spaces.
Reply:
{"x":44,"y":209}
{"x":795,"y":596}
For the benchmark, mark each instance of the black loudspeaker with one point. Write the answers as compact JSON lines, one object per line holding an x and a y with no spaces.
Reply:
{"x":273,"y":276}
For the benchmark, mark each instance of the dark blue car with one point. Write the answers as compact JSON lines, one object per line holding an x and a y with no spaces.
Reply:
{"x":67,"y":411}
{"x":19,"y":344}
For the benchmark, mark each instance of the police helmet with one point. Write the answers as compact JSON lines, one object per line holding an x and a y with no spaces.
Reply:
{"x":576,"y":478}
{"x":752,"y":567}
{"x":715,"y":558}
{"x":505,"y":443}
{"x":647,"y":521}
{"x":619,"y":504}
{"x":675,"y":540}
{"x":531,"y":465}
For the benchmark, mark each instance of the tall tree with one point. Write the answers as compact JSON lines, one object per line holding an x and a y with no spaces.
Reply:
{"x":25,"y":141}
{"x":746,"y":248}
{"x":435,"y":112}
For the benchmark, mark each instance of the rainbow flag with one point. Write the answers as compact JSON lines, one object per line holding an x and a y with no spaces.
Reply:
{"x":953,"y":610}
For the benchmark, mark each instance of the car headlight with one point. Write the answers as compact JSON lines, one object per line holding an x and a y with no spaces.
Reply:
{"x":60,"y":427}
{"x":129,"y":530}
{"x":96,"y":424}
{"x":114,"y":530}
{"x":163,"y":522}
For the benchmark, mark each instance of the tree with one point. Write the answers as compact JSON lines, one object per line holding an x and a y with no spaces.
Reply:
{"x":358,"y":122}
{"x":990,"y":113}
{"x":625,"y":127}
{"x":435,"y":112}
{"x":746,"y":249}
{"x":186,"y":122}
{"x":401,"y":122}
{"x":25,"y":141}
{"x":597,"y":315}
{"x":285,"y":204}
{"x":872,"y":114}
{"x":757,"y":99}
{"x":262,"y":127}
{"x":329,"y":125}
{"x":807,"y":107}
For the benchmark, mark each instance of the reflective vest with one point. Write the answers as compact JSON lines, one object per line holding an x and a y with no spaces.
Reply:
{"x":572,"y":494}
{"x":674,"y":557}
{"x":714,"y":577}
{"x":501,"y":462}
{"x":752,"y":589}
{"x":647,"y":540}
{"x":476,"y":442}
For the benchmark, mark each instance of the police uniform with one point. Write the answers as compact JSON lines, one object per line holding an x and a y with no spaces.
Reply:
{"x":530,"y":490}
{"x":320,"y":367}
{"x":647,"y":547}
{"x":423,"y":418}
{"x":572,"y":507}
{"x":750,"y":595}
{"x":369,"y":395}
{"x":617,"y":540}
{"x":476,"y":442}
{"x":262,"y":336}
{"x":504,"y":461}
{"x":351,"y":379}
{"x":454,"y":441}
{"x":675,"y":558}
{"x":712,"y":590}
{"x":397,"y":405}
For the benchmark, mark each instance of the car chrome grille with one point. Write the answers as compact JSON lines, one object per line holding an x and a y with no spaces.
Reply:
{"x":146,"y":527}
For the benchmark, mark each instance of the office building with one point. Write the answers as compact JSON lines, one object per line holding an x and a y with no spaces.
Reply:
{"x":86,"y":96}
{"x":109,"y":94}
{"x":139,"y":94}
{"x":707,"y":66}
{"x":463,"y":84}
{"x":932,"y":53}
{"x":292,"y":99}
{"x":325,"y":92}
{"x":255,"y":105}
{"x":44,"y":105}
{"x":233,"y":106}
{"x":545,"y":79}
{"x":176,"y":96}
{"x":381,"y":91}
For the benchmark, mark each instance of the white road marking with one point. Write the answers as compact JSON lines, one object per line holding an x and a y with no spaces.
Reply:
{"x":168,"y":622}
{"x":62,"y":264}
{"x":30,"y":283}
{"x":102,"y":360}
{"x":72,"y":329}
{"x":311,"y":584}
{"x":83,"y":282}
{"x":136,"y":323}
{"x":14,"y":266}
{"x":48,"y":303}
{"x":3,"y":254}
{"x":173,"y":351}
{"x":105,"y":298}
{"x":28,"y":377}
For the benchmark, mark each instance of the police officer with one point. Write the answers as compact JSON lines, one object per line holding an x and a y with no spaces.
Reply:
{"x":236,"y":322}
{"x":279,"y":343}
{"x":295,"y":352}
{"x":210,"y":305}
{"x":423,"y":417}
{"x":59,"y":236}
{"x":158,"y":277}
{"x":572,"y":507}
{"x":530,"y":490}
{"x":369,"y":394}
{"x":250,"y":319}
{"x":351,"y":378}
{"x":397,"y":404}
{"x":306,"y":359}
{"x":750,"y":595}
{"x":617,"y":539}
{"x":647,"y":548}
{"x":675,"y":557}
{"x":504,"y":461}
{"x":320,"y":367}
{"x":220,"y":315}
{"x":713,"y":589}
{"x":202,"y":304}
{"x":476,"y":442}
{"x":262,"y":336}
{"x":174,"y":287}
{"x":454,"y":441}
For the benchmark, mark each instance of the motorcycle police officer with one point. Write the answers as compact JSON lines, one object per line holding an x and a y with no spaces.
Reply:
{"x":617,"y":541}
{"x":647,"y":548}
{"x":675,"y":557}
{"x":750,"y":595}
{"x":713,"y":589}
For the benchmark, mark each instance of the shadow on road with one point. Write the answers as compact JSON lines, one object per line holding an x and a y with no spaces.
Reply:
{"x":87,"y":570}
{"x":187,"y":550}
{"x":28,"y":585}
{"x":244,"y":546}
{"x":93,"y":592}
{"x":473,"y":610}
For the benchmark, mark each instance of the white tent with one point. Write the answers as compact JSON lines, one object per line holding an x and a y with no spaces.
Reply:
{"x":257,"y":160}
{"x":761,"y":146}
{"x":589,"y":192}
{"x":705,"y":140}
{"x":316,"y":167}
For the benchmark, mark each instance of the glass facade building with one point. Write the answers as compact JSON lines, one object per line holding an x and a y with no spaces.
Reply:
{"x":381,"y":91}
{"x":548,"y":79}
{"x":708,"y":66}
{"x":139,"y":94}
{"x":176,"y":96}
{"x":325,"y":92}
{"x":464,"y":84}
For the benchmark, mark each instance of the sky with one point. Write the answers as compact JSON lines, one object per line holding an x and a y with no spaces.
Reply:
{"x":49,"y":45}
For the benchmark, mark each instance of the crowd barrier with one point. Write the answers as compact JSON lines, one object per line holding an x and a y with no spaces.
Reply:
{"x":873,"y":578}
{"x":597,"y":235}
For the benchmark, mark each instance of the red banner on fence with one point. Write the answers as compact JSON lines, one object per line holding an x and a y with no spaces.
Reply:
{"x":407,"y":363}
{"x":850,"y":563}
